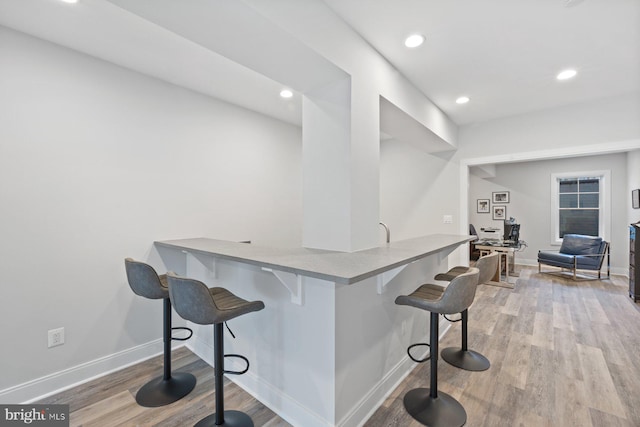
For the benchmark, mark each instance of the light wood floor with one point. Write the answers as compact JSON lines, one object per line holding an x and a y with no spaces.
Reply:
{"x":562,"y":353}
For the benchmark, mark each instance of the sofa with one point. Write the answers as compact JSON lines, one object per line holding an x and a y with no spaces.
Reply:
{"x":578,"y":252}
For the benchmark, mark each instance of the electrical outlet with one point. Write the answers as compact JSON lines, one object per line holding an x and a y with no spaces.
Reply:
{"x":56,"y":337}
{"x":447,"y":219}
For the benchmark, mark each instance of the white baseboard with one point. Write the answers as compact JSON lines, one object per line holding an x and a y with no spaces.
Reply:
{"x":56,"y":382}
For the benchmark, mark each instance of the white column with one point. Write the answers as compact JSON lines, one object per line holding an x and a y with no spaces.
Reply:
{"x":341,"y":174}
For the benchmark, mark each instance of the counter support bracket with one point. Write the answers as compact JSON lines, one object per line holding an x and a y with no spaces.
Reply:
{"x":291,"y":281}
{"x":203,"y":264}
{"x":387,"y":276}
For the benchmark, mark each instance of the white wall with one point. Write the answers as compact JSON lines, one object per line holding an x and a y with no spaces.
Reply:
{"x":416,"y":190}
{"x":96,"y":163}
{"x":529,"y":186}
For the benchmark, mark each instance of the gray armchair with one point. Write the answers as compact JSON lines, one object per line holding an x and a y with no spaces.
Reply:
{"x":578,"y":252}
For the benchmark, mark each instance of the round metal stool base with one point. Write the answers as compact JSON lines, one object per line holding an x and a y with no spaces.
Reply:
{"x":468,"y":360}
{"x":231,"y":419}
{"x":442,"y":411}
{"x":159,"y":392}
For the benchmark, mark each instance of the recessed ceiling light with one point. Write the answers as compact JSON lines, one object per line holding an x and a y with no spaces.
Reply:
{"x":414,"y":40}
{"x":70,"y":1}
{"x":462,"y":100}
{"x":286,"y":93}
{"x":566,"y":74}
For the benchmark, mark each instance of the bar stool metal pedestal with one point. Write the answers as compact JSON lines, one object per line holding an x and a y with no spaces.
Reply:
{"x":170,"y":387}
{"x":428,"y":405}
{"x":194,"y":301}
{"x":462,"y":357}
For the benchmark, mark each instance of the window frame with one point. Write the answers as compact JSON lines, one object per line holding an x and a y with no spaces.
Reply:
{"x":604,"y":209}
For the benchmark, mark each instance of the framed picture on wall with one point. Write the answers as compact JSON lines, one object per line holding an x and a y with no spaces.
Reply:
{"x":500,"y":197}
{"x":499,"y":212}
{"x":482,"y":206}
{"x":635,"y":199}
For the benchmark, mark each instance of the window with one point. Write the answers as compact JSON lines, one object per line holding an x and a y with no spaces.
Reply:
{"x":579,"y":204}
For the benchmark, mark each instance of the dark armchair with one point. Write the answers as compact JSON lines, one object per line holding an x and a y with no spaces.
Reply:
{"x":578,"y":252}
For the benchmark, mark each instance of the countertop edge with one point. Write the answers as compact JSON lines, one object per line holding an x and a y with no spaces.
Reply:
{"x":339,"y":279}
{"x":257,"y":263}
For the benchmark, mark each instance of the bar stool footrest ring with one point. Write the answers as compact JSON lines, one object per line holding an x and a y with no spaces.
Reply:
{"x":182,"y":328}
{"x":239,"y":356}
{"x":452,"y":320}
{"x":418,"y":360}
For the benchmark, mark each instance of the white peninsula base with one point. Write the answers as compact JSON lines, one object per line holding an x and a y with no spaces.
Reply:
{"x":331,"y":343}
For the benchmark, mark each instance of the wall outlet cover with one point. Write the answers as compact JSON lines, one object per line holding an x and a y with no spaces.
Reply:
{"x":55,"y":337}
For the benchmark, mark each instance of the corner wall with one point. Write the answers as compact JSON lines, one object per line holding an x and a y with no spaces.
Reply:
{"x":98,"y":162}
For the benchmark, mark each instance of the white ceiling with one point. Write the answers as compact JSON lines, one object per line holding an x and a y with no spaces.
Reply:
{"x":503,"y":54}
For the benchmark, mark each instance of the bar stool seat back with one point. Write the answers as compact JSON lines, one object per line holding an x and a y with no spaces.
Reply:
{"x":456,"y":297}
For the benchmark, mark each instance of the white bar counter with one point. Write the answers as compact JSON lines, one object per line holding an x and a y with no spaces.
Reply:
{"x":331,"y":343}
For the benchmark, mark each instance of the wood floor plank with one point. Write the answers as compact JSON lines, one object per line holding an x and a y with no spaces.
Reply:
{"x":625,"y":380}
{"x":562,"y":316}
{"x":515,"y":366}
{"x":595,"y":312}
{"x":597,"y":377}
{"x":566,"y":361}
{"x":113,"y":411}
{"x":570,"y":396}
{"x":544,"y":302}
{"x":513,"y":303}
{"x":540,"y":387}
{"x":599,"y":418}
{"x":530,"y":419}
{"x":543,"y":330}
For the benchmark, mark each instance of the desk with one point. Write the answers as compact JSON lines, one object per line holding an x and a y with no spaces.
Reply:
{"x":508,"y":251}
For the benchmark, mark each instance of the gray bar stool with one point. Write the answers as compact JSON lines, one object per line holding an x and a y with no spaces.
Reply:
{"x":426,"y":404}
{"x":168,"y":388}
{"x":194,"y":301}
{"x":462,"y":357}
